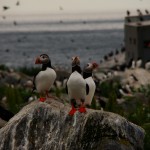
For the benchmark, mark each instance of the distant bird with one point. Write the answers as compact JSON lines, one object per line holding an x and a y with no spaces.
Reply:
{"x":17,"y":3}
{"x":125,"y":91}
{"x":147,"y":65}
{"x":101,"y":61}
{"x":5,"y":8}
{"x":44,"y":80}
{"x":4,"y":17}
{"x":87,"y":75}
{"x":102,"y":101}
{"x":123,"y":49}
{"x":146,"y":11}
{"x":128,"y":88}
{"x":109,"y":74}
{"x":105,"y":57}
{"x":5,"y":114}
{"x":77,"y":88}
{"x":133,"y":65}
{"x":116,"y":60}
{"x":60,"y":21}
{"x":128,"y":13}
{"x":104,"y":76}
{"x":61,"y":8}
{"x":140,"y":15}
{"x":111,"y":54}
{"x":72,"y":40}
{"x":130,"y":63}
{"x":15,"y":23}
{"x":123,"y":67}
{"x":117,"y":52}
{"x":122,"y":92}
{"x":139,"y":63}
{"x":139,"y":12}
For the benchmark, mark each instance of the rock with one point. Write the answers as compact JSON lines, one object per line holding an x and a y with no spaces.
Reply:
{"x":47,"y":126}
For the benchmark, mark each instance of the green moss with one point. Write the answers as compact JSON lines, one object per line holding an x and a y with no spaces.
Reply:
{"x":4,"y":68}
{"x":146,"y":127}
{"x":29,"y":71}
{"x":15,"y":97}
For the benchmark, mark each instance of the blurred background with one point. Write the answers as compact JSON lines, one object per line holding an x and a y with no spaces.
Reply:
{"x":62,"y":28}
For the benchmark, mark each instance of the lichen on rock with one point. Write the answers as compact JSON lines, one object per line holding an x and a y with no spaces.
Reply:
{"x":47,"y":126}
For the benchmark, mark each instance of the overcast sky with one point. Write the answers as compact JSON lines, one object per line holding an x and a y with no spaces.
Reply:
{"x":65,"y":6}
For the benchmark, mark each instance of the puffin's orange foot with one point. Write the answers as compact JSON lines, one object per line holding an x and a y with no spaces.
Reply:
{"x":72,"y":111}
{"x":82,"y":110}
{"x":42,"y":99}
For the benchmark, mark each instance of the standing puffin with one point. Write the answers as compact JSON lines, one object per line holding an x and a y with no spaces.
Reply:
{"x":87,"y":75}
{"x":76,"y":87}
{"x":44,"y":80}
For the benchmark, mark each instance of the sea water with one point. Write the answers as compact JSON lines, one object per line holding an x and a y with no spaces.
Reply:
{"x":89,"y":36}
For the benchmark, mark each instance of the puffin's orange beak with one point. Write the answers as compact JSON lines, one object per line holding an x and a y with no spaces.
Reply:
{"x":95,"y":65}
{"x":38,"y":61}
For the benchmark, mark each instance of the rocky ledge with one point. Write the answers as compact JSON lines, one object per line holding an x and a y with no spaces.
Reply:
{"x":47,"y":126}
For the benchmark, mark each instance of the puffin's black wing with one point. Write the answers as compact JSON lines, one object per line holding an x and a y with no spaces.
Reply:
{"x":34,"y":86}
{"x":66,"y":87}
{"x":87,"y":89}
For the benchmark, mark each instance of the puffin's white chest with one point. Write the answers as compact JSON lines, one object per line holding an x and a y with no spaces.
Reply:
{"x":92,"y":88}
{"x":76,"y":86}
{"x":45,"y":79}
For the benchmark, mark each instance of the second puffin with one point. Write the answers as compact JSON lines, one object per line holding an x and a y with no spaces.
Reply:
{"x":77,"y":88}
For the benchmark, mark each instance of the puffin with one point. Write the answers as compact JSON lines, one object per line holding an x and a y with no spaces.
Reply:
{"x":87,"y":75}
{"x":128,"y":13}
{"x":45,"y":78}
{"x":77,"y":88}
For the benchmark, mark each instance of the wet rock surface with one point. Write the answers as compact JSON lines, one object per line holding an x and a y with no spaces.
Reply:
{"x":47,"y":126}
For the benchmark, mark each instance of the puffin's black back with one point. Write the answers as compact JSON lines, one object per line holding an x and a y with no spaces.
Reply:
{"x":87,"y":74}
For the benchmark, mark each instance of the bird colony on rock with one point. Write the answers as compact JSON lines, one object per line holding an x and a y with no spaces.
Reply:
{"x":80,"y":89}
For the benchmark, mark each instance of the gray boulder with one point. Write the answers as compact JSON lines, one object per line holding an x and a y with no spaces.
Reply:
{"x":47,"y":126}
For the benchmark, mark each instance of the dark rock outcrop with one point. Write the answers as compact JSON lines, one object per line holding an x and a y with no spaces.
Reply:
{"x":47,"y":126}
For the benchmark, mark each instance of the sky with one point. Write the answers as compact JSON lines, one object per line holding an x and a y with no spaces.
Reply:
{"x":71,"y":6}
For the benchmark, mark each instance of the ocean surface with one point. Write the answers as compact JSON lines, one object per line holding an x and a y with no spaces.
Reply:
{"x":22,"y":38}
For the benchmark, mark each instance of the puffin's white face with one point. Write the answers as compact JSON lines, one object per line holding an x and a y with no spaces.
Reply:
{"x":42,"y":59}
{"x":90,"y":67}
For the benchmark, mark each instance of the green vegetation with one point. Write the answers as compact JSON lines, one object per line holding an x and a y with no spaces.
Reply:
{"x":4,"y":68}
{"x":29,"y":71}
{"x":16,"y":97}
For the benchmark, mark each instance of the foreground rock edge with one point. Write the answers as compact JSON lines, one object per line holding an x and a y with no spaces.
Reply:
{"x":48,"y":126}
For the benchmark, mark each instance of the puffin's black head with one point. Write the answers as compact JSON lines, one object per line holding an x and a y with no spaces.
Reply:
{"x":44,"y":60}
{"x":76,"y":64}
{"x":88,"y":69}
